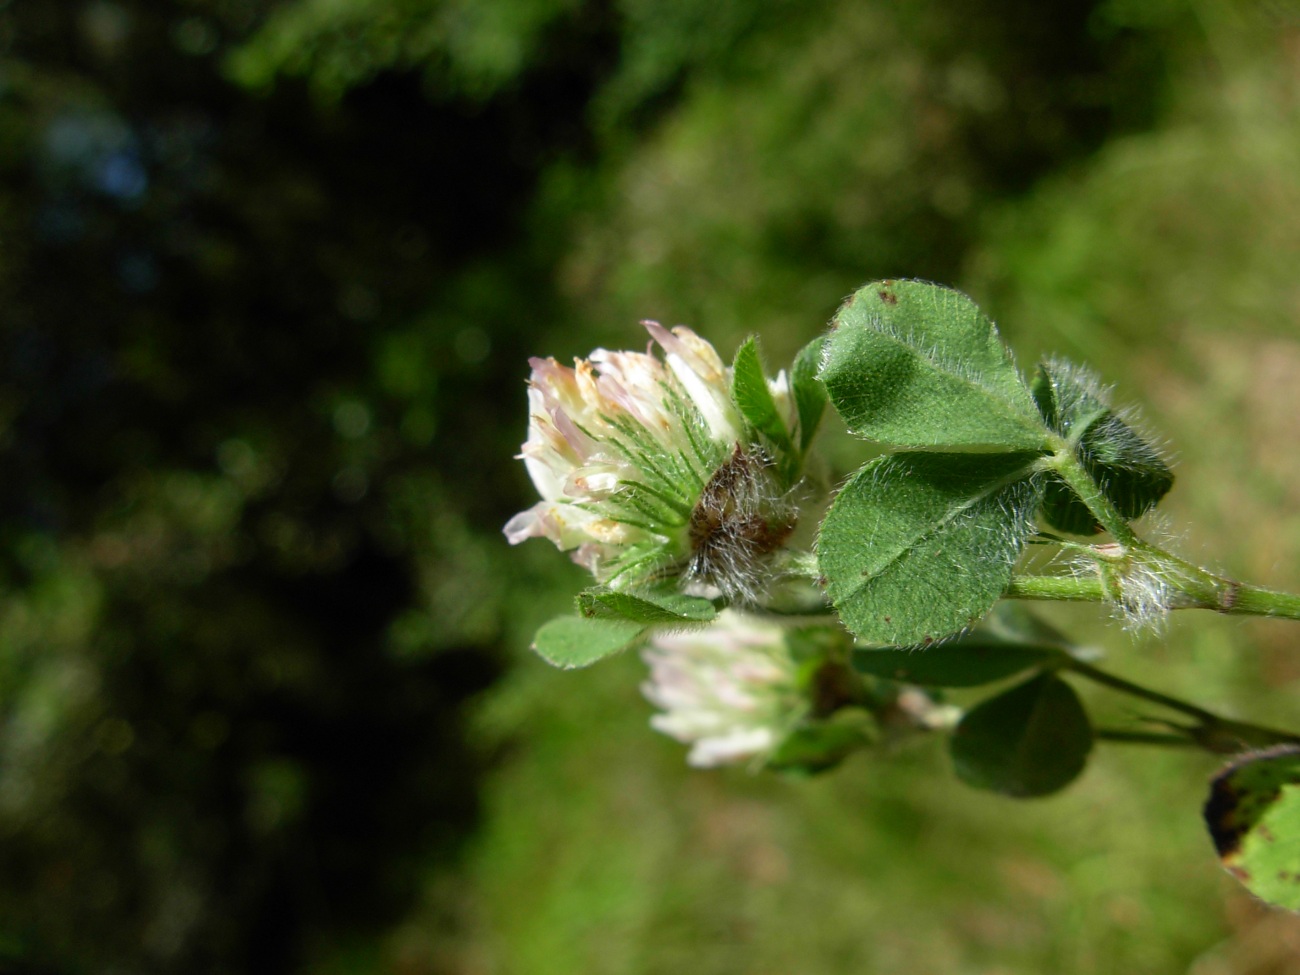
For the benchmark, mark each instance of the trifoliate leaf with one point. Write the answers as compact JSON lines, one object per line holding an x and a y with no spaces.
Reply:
{"x":1253,"y":813}
{"x":920,"y":545}
{"x":645,"y":606}
{"x":753,"y":397}
{"x":916,"y":364}
{"x":808,"y":391}
{"x":1029,"y":741}
{"x":576,"y":641}
{"x":1127,"y":467}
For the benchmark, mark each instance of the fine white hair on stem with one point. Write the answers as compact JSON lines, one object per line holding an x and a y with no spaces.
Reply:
{"x":1139,"y":596}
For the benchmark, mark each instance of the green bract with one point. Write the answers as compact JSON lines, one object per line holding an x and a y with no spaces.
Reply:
{"x":809,"y":393}
{"x":753,"y":396}
{"x":662,"y":605}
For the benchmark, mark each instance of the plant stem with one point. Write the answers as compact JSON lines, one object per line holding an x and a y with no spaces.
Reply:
{"x":1257,"y":601}
{"x":1161,"y":738}
{"x":1232,"y":598}
{"x":1211,"y":732}
{"x":1065,"y":588}
{"x":1072,"y":471}
{"x":1195,"y":586}
{"x":1099,"y":676}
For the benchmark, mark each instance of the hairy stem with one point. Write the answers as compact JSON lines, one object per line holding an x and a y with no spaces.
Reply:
{"x":1072,"y":471}
{"x":1132,"y":557}
{"x":1232,"y":598}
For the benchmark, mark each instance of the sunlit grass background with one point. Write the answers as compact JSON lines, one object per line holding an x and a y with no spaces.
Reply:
{"x":1116,"y":182}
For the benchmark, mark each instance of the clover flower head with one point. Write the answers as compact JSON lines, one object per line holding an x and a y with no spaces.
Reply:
{"x":644,"y":468}
{"x":729,"y":691}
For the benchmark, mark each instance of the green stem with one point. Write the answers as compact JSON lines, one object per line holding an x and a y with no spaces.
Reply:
{"x":1067,"y":588}
{"x":1195,"y":586}
{"x":1072,"y":471}
{"x":1223,"y":595}
{"x":1099,"y":676}
{"x":1257,"y":601}
{"x":1161,"y":738}
{"x":1211,"y":732}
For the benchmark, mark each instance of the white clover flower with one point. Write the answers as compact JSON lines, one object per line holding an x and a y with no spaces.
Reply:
{"x":643,"y":470}
{"x":729,"y":691}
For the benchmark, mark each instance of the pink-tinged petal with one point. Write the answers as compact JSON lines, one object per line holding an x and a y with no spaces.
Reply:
{"x":525,"y":525}
{"x":567,"y":525}
{"x":581,"y":445}
{"x":696,"y":365}
{"x":549,"y":485}
{"x":634,"y":382}
{"x":589,"y":557}
{"x":594,"y":481}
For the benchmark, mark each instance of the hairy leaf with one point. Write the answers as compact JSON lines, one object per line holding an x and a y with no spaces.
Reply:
{"x":916,"y":364}
{"x":645,"y":606}
{"x":576,"y":641}
{"x":920,"y":545}
{"x":1127,"y":467}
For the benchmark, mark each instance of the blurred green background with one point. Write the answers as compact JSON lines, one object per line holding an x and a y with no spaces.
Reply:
{"x":269,"y":276}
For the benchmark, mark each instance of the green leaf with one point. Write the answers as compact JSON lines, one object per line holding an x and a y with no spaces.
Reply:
{"x":965,"y":662}
{"x":1068,"y":397}
{"x":915,"y":364}
{"x":920,"y":545}
{"x":576,"y":641}
{"x":1253,"y":813}
{"x":645,"y":606}
{"x":1127,"y":467}
{"x":753,"y":397}
{"x":808,"y":391}
{"x":1029,"y":741}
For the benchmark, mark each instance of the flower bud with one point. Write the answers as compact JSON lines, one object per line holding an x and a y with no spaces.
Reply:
{"x":731,"y":691}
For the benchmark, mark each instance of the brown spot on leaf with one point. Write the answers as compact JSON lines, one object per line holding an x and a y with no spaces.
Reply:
{"x":1220,"y":809}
